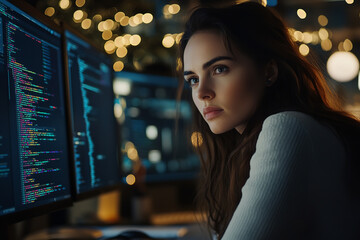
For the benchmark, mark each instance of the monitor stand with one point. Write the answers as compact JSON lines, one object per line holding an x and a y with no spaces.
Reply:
{"x":66,"y":233}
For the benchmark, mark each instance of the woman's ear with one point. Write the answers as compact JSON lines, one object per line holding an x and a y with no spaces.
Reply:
{"x":271,"y":72}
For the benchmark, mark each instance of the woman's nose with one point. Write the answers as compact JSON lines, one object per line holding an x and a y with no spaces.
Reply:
{"x":205,"y":90}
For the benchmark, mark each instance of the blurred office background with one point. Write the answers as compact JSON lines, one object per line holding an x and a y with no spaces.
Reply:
{"x":142,"y":39}
{"x":142,"y":36}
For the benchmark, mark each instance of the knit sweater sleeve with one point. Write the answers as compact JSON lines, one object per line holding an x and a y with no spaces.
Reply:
{"x":273,"y":204}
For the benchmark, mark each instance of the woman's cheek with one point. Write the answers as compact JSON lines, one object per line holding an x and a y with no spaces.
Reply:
{"x":196,"y":100}
{"x":235,"y":89}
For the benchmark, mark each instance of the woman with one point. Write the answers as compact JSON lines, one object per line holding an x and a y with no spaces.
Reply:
{"x":278,"y":156}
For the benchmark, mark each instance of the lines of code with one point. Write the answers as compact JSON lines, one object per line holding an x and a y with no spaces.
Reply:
{"x":34,"y":157}
{"x":87,"y":111}
{"x":92,"y":103}
{"x":29,"y":63}
{"x":4,"y":167}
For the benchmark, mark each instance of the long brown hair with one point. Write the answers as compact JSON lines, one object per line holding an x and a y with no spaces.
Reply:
{"x":261,"y":34}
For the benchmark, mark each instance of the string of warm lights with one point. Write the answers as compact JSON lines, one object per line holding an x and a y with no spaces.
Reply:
{"x":342,"y":65}
{"x":118,"y":44}
{"x":170,"y":9}
{"x":170,"y":39}
{"x":109,"y":28}
{"x":321,"y":36}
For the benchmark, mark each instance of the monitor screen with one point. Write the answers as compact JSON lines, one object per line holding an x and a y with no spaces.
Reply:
{"x":34,"y":167}
{"x":147,"y":112}
{"x":94,"y":129}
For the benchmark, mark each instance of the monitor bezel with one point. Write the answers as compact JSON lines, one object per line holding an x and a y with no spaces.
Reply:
{"x":95,"y":192}
{"x":64,"y":203}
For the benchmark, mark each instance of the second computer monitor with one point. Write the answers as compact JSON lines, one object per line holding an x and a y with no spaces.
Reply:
{"x":156,"y":129}
{"x":94,"y":130}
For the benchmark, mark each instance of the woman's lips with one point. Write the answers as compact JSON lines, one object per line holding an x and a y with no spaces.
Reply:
{"x":211,"y":112}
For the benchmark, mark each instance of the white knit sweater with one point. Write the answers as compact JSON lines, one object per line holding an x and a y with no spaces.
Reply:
{"x":296,"y":188}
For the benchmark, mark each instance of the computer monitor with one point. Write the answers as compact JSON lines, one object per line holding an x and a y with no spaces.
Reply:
{"x":94,"y":129}
{"x":148,"y":111}
{"x":34,"y":167}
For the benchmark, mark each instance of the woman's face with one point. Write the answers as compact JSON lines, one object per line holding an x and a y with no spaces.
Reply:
{"x":226,"y":90}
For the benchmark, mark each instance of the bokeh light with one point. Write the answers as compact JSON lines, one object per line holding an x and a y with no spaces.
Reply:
{"x":108,"y":24}
{"x":118,"y":41}
{"x":109,"y":46}
{"x":301,"y":13}
{"x":132,"y":22}
{"x":121,"y":52}
{"x":118,"y":66}
{"x":138,"y":18}
{"x":64,"y":4}
{"x":151,"y":132}
{"x":347,"y":45}
{"x":126,"y":39}
{"x":80,"y":3}
{"x":97,"y":17}
{"x":154,"y":156}
{"x":123,"y":88}
{"x":130,"y":179}
{"x":50,"y":11}
{"x":174,"y":8}
{"x":118,"y":111}
{"x":343,"y":66}
{"x":196,"y":139}
{"x":299,"y":36}
{"x":78,"y":15}
{"x":147,"y":18}
{"x":86,"y":23}
{"x":107,"y":34}
{"x":323,"y":34}
{"x":307,"y":37}
{"x":135,"y":40}
{"x":326,"y":45}
{"x":124,"y":21}
{"x":118,"y":16}
{"x":168,"y":41}
{"x":132,"y":154}
{"x":304,"y":49}
{"x":323,"y":21}
{"x":101,"y":26}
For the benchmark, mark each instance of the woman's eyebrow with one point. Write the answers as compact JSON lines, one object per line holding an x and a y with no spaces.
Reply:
{"x":188,"y":73}
{"x":209,"y":63}
{"x":215,"y":59}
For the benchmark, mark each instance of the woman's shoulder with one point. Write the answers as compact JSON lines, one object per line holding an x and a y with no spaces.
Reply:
{"x":314,"y":126}
{"x":284,"y":132}
{"x":315,"y":135}
{"x":290,"y":117}
{"x":289,"y":121}
{"x":303,"y":127}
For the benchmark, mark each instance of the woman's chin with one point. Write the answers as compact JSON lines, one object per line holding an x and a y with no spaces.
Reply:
{"x":217,"y":129}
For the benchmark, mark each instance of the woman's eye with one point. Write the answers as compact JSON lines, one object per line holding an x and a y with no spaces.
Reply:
{"x":220,"y":69}
{"x":192,"y":81}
